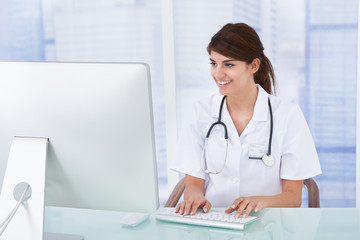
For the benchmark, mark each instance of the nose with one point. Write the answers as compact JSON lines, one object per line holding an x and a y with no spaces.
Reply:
{"x":218,"y":72}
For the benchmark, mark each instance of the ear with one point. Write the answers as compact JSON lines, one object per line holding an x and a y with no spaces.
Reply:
{"x":254,"y":65}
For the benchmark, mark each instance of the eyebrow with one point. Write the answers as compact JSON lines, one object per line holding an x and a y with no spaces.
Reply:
{"x":226,"y":61}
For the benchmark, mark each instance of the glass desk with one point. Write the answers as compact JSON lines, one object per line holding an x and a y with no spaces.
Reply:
{"x":275,"y":223}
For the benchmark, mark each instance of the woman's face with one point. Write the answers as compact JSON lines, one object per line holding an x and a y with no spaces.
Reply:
{"x":231,"y":76}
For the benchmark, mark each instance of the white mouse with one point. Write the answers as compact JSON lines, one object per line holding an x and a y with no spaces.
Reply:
{"x":134,"y":219}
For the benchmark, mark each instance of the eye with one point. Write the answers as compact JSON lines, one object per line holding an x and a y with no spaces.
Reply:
{"x":229,"y":64}
{"x":213,"y":63}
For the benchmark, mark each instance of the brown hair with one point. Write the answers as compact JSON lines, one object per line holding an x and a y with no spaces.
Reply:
{"x":241,"y":42}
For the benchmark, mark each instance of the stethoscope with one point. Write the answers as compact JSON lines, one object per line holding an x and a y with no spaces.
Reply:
{"x":267,"y":158}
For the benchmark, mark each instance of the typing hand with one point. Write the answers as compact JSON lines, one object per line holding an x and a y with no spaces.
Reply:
{"x":245,"y":205}
{"x":190,"y":205}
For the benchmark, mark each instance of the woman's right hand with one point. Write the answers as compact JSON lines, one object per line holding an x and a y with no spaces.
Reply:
{"x":190,"y":205}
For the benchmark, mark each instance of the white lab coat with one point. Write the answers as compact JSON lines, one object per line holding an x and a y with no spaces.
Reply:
{"x":292,"y":147}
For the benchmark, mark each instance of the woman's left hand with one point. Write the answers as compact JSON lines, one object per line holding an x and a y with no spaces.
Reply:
{"x":246,"y":205}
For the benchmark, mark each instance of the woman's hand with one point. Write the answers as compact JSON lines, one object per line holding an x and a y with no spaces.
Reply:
{"x":246,"y":205}
{"x":190,"y":205}
{"x":194,"y":197}
{"x":290,"y":197}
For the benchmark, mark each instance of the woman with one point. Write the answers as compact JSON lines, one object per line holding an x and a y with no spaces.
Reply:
{"x":269,"y":150}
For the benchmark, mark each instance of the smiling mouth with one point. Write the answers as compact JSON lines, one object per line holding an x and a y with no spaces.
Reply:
{"x":224,"y":82}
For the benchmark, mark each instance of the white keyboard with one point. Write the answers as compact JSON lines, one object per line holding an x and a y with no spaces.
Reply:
{"x":211,"y":219}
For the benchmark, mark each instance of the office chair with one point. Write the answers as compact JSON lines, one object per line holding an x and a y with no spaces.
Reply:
{"x":309,"y":184}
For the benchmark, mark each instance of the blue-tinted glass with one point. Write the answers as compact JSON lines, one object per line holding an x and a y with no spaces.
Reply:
{"x":21,"y":29}
{"x":329,"y":95}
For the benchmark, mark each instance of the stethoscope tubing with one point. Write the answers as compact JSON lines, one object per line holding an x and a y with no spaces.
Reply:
{"x":271,"y":128}
{"x":226,"y":136}
{"x":219,"y":122}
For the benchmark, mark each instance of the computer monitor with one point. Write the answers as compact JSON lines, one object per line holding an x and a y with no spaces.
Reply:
{"x":98,"y":118}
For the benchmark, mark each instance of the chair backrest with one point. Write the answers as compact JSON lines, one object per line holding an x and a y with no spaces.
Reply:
{"x":313,"y":193}
{"x":309,"y":184}
{"x":176,"y":194}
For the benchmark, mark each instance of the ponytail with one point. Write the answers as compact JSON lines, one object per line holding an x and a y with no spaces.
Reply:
{"x":265,"y":76}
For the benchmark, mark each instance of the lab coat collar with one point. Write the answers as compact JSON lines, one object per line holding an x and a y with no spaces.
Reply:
{"x":261,"y":110}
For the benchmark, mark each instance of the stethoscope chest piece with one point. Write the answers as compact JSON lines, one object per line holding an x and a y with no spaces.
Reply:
{"x":268,"y":160}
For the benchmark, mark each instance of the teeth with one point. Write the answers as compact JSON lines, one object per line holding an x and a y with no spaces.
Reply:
{"x":223,"y":83}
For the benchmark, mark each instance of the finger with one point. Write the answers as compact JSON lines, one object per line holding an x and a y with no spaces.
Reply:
{"x":230,"y":210}
{"x":248,"y":209}
{"x":207,"y":206}
{"x":187,"y":208}
{"x":234,"y":205}
{"x":258,"y":207}
{"x":181,"y":208}
{"x":196,"y":205}
{"x":241,"y":208}
{"x":237,"y":203}
{"x":177,"y":208}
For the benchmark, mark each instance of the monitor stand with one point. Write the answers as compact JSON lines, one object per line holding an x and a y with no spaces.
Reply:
{"x":60,"y":236}
{"x":27,"y":164}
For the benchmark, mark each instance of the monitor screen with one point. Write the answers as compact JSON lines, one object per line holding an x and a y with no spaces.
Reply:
{"x":98,"y":118}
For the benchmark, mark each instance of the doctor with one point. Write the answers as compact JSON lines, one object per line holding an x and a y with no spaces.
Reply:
{"x":246,"y":149}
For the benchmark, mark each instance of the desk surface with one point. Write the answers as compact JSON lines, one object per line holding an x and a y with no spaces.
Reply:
{"x":274,"y":224}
